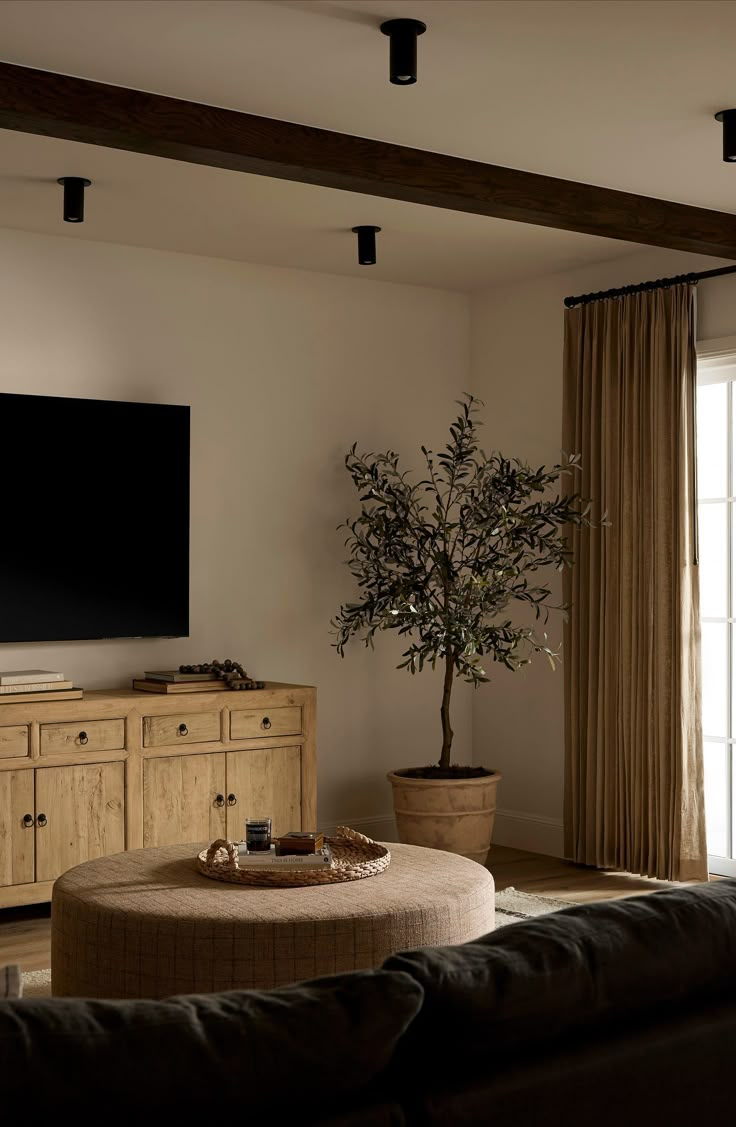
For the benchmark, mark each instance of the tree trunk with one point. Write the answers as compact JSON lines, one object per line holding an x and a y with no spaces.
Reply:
{"x":447,"y":732}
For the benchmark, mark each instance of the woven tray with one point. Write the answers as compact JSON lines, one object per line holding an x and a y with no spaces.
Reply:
{"x":354,"y":857}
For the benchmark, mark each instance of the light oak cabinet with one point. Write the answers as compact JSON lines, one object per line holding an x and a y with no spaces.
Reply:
{"x":51,"y":820}
{"x":124,"y":769}
{"x":180,"y":729}
{"x":79,"y":815}
{"x":194,"y":797}
{"x":263,"y":782}
{"x":88,"y":736}
{"x":17,"y":837}
{"x":14,"y":741}
{"x":253,"y":723}
{"x":183,"y":799}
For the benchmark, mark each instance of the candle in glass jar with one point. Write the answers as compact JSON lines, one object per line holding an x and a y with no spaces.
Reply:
{"x":258,"y":834}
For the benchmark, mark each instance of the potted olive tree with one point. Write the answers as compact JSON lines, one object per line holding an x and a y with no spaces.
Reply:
{"x":442,"y":560}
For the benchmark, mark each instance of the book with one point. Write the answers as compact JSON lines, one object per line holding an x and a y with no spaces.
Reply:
{"x":36,"y":687}
{"x":29,"y":676}
{"x":53,"y":694}
{"x":271,"y":860}
{"x":175,"y":676}
{"x":145,"y":686}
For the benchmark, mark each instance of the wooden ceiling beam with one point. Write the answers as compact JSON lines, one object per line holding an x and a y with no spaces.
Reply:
{"x":57,"y":105}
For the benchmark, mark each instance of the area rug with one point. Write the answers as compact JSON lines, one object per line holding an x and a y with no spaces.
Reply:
{"x":511,"y":906}
{"x":36,"y":983}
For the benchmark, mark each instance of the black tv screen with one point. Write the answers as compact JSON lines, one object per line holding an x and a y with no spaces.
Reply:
{"x":95,"y":519}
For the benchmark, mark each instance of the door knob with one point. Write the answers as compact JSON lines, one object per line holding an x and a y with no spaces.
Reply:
{"x":28,"y":820}
{"x":232,"y":800}
{"x":219,"y":800}
{"x":42,"y":820}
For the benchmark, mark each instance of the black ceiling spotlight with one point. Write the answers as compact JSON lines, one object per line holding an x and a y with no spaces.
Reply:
{"x":366,"y":244}
{"x":403,"y":54}
{"x":728,"y":117}
{"x":74,"y":197}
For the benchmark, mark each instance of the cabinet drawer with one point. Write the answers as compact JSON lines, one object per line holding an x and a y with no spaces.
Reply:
{"x":14,"y":741}
{"x":252,"y":722}
{"x":82,"y":735}
{"x":181,"y":728}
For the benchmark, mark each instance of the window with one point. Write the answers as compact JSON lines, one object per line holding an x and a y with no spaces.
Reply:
{"x":717,"y":536}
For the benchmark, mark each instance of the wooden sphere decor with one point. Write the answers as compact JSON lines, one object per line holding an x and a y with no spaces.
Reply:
{"x":231,"y":672}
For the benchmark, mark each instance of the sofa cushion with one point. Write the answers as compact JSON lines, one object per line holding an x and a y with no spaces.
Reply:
{"x":672,"y":1071}
{"x":580,"y":967}
{"x":296,"y":1050}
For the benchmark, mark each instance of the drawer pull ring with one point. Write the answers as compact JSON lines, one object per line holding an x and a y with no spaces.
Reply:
{"x":219,"y":800}
{"x":42,"y":820}
{"x":28,"y":820}
{"x":232,"y":800}
{"x":183,"y":730}
{"x":83,"y":738}
{"x":266,"y":723}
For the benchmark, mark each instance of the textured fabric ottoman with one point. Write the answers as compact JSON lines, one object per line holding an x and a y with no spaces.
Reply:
{"x":147,"y":924}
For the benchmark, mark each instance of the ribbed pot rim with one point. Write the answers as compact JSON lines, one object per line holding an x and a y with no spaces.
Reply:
{"x":407,"y":780}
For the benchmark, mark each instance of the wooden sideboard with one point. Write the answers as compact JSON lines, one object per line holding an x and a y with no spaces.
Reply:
{"x":124,"y":769}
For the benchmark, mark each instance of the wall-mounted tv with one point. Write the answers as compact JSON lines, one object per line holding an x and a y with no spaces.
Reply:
{"x":94,"y":532}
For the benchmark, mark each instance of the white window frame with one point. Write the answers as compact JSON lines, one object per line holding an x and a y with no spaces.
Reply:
{"x":717,"y":364}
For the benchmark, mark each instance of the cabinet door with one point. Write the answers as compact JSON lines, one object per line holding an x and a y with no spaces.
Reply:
{"x":263,"y":783}
{"x":16,"y":836}
{"x":79,"y":816}
{"x":183,"y":799}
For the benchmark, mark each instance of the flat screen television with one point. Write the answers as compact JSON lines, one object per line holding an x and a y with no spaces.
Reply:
{"x":94,"y":539}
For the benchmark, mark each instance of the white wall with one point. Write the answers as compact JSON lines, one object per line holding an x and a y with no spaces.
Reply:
{"x":517,"y":370}
{"x":283,"y":370}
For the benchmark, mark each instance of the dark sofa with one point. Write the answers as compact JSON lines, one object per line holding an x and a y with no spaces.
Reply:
{"x":618,"y":1013}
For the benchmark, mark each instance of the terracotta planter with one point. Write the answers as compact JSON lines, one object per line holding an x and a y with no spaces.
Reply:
{"x":452,"y":814}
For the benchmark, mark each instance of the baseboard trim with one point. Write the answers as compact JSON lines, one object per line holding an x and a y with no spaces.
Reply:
{"x":520,"y":830}
{"x":514,"y":828}
{"x":382,"y":827}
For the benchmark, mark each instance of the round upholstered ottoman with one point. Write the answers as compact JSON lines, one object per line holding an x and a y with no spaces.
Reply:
{"x":147,"y":924}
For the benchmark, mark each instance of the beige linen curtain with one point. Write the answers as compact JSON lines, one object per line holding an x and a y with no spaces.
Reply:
{"x":634,"y":765}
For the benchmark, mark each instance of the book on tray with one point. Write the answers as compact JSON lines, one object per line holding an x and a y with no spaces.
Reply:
{"x":18,"y":686}
{"x":270,"y":859}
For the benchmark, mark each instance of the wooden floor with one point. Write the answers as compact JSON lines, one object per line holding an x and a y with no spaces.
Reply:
{"x":550,"y":876}
{"x":25,"y":933}
{"x":25,"y":936}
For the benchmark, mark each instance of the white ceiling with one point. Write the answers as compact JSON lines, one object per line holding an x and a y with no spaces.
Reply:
{"x":148,"y":201}
{"x":617,"y":93}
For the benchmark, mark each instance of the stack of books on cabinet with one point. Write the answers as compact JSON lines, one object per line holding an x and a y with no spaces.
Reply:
{"x":21,"y":686}
{"x":186,"y":681}
{"x":174,"y":681}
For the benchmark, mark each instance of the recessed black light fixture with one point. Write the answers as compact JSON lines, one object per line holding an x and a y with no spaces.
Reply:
{"x":403,"y":49}
{"x":366,"y":244}
{"x":728,"y":119}
{"x":74,"y":197}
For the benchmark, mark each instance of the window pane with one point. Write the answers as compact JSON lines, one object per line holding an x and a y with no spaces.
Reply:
{"x":712,"y":440}
{"x":716,"y":798}
{"x":713,"y":555}
{"x":715,"y":678}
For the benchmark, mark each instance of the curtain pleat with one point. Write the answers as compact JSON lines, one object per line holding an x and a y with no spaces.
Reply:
{"x":634,"y":762}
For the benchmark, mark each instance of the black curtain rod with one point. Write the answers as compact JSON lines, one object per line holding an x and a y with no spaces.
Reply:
{"x":644,"y":287}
